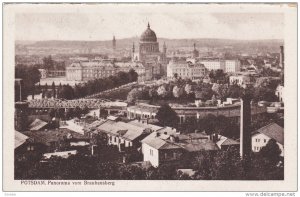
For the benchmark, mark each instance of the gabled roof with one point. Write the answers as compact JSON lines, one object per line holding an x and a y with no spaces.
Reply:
{"x":46,"y":137}
{"x":154,"y":141}
{"x":163,"y":141}
{"x":145,"y":125}
{"x":20,"y":139}
{"x":37,"y":124}
{"x":273,"y":131}
{"x":121,"y":129}
{"x":204,"y":144}
{"x":224,"y":141}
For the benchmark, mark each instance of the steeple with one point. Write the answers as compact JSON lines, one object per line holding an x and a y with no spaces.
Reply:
{"x":114,"y":43}
{"x":195,"y":51}
{"x":133,"y":48}
{"x":148,"y":25}
{"x":164,"y":48}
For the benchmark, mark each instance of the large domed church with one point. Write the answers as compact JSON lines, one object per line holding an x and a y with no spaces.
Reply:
{"x":148,"y":52}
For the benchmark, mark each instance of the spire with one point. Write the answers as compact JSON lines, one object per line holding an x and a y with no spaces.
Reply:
{"x":194,"y":46}
{"x":114,"y":42}
{"x":133,"y":47}
{"x":148,"y":25}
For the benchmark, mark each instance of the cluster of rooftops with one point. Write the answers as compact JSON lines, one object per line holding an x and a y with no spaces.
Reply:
{"x":158,"y":137}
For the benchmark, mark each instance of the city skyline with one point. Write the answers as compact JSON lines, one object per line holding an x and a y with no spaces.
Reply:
{"x":103,"y":25}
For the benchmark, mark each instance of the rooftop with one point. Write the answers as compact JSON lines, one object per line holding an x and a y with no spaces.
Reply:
{"x":37,"y":124}
{"x":273,"y":131}
{"x":190,"y":143}
{"x":46,"y":137}
{"x":20,"y":139}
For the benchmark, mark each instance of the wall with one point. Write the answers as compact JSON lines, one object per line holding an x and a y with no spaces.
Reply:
{"x":261,"y":140}
{"x":153,"y":157}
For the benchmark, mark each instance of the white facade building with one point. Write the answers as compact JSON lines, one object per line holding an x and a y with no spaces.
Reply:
{"x":220,"y":64}
{"x":186,"y":70}
{"x":232,"y":66}
{"x":280,"y":93}
{"x":261,"y":137}
{"x":90,"y":70}
{"x":241,"y":80}
{"x":213,"y":64}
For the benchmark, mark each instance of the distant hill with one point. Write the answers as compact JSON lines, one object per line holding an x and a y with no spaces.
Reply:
{"x":126,"y":44}
{"x":171,"y":42}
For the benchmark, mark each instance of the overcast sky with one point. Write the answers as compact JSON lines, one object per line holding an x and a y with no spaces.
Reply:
{"x":103,"y":25}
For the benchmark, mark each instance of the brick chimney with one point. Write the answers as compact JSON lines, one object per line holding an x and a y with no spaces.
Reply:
{"x":281,"y":57}
{"x":245,"y":122}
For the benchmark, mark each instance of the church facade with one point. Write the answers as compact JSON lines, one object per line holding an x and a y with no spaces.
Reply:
{"x":148,"y":54}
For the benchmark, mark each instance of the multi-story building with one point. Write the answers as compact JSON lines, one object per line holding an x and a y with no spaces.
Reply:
{"x":280,"y":93}
{"x":241,"y":80}
{"x":221,"y":64}
{"x":186,"y":70}
{"x":90,"y":70}
{"x":213,"y":64}
{"x":261,"y":137}
{"x":232,"y":66}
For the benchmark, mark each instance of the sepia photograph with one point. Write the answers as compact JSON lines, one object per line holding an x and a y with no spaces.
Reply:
{"x":154,"y":92}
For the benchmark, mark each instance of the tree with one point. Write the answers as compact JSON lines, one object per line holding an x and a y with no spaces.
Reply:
{"x":30,"y":76}
{"x":175,"y":75}
{"x":264,"y":94}
{"x":271,"y":151}
{"x":66,"y":92}
{"x":77,"y":112}
{"x":162,"y":92}
{"x":167,"y":116}
{"x":133,"y":76}
{"x":235,"y":91}
{"x":188,"y":89}
{"x":52,"y":112}
{"x":221,"y":90}
{"x":48,"y":63}
{"x":69,"y":113}
{"x":53,"y":90}
{"x":133,"y":95}
{"x":152,"y":93}
{"x":218,"y":76}
{"x":177,"y":92}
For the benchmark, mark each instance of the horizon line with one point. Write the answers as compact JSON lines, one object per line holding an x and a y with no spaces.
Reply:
{"x":258,"y":39}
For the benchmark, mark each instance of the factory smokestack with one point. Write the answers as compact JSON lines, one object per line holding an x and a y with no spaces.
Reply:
{"x":281,"y":57}
{"x":245,"y":122}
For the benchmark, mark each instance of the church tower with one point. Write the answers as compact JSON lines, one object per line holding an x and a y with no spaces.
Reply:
{"x":114,"y":43}
{"x":133,"y":58}
{"x":195,"y":52}
{"x":164,"y":49}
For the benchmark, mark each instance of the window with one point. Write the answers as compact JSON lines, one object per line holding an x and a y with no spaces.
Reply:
{"x":265,"y":141}
{"x":174,"y":155}
{"x":151,"y":152}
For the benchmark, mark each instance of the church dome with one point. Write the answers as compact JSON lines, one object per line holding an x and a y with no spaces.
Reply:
{"x":148,"y":35}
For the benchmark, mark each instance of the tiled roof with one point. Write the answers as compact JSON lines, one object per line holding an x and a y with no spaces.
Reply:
{"x":154,"y":141}
{"x":144,"y":125}
{"x":37,"y":124}
{"x":273,"y":131}
{"x":46,"y":137}
{"x":163,"y":141}
{"x":226,"y":141}
{"x":121,"y":129}
{"x":20,"y":139}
